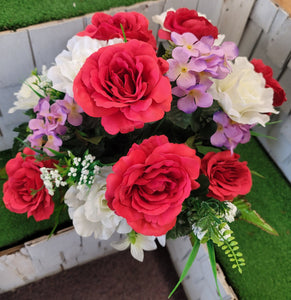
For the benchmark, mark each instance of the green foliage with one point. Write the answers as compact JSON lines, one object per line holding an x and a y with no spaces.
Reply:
{"x":251,"y":216}
{"x":189,"y":263}
{"x":178,"y":117}
{"x":212,"y":260}
{"x":230,"y":247}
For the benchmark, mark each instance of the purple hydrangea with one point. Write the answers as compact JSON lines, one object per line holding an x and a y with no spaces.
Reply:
{"x":194,"y":62}
{"x":50,"y":122}
{"x":229,"y":133}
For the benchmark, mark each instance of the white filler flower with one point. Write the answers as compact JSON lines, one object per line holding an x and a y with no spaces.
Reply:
{"x":138,"y":243}
{"x":242,"y":94}
{"x":26,"y":97}
{"x":69,"y":62}
{"x":89,"y":210}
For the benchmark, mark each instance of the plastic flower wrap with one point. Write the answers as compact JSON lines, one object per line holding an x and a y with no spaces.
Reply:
{"x":141,"y":144}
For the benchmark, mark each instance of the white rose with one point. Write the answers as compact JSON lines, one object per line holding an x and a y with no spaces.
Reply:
{"x":89,"y":210}
{"x":26,"y":96}
{"x":242,"y":94}
{"x":69,"y":62}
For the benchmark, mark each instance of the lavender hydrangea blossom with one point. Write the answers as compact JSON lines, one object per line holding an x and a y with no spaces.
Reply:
{"x":229,"y":133}
{"x":194,"y":62}
{"x":50,"y":122}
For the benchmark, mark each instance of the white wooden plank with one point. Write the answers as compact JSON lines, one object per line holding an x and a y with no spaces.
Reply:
{"x":285,"y":81}
{"x":279,"y":45}
{"x":16,"y":59}
{"x":233,"y":18}
{"x":212,"y":9}
{"x":190,"y":4}
{"x":49,"y":39}
{"x":9,"y":121}
{"x":260,"y":52}
{"x":263,"y":13}
{"x":199,"y":283}
{"x":250,"y":36}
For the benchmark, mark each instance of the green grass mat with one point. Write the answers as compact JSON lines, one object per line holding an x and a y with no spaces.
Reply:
{"x":15,"y":14}
{"x":267,"y":271}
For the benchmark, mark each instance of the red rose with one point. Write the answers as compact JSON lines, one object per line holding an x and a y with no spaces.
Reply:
{"x":24,"y":190}
{"x":149,"y":185}
{"x":124,"y":85}
{"x":227,"y":176}
{"x":279,"y":93}
{"x":185,"y":20}
{"x":106,"y":27}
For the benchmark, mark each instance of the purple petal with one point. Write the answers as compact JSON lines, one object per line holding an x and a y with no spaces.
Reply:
{"x":230,"y":49}
{"x":177,"y":91}
{"x":186,"y":79}
{"x":187,"y":104}
{"x":218,"y":139}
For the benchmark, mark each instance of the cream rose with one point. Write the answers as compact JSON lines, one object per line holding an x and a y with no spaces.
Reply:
{"x":242,"y":94}
{"x":89,"y":210}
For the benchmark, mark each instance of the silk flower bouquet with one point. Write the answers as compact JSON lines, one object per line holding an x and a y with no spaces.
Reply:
{"x":139,"y":139}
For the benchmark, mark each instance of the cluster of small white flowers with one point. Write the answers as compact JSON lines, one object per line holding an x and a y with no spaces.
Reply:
{"x":87,"y":174}
{"x":231,"y":213}
{"x":51,"y":179}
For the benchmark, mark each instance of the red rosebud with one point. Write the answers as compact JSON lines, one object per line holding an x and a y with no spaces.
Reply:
{"x":228,"y":177}
{"x":185,"y":20}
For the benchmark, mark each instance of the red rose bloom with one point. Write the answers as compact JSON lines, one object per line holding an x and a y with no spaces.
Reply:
{"x":149,"y":185}
{"x":227,"y":176}
{"x":106,"y":27}
{"x":279,"y":93}
{"x":124,"y":85}
{"x":24,"y":190}
{"x":185,"y":20}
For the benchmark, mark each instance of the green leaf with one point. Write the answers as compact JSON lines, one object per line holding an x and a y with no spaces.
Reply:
{"x":251,"y":216}
{"x":188,"y":265}
{"x":3,"y":174}
{"x":178,"y":117}
{"x":205,"y":149}
{"x":211,"y":253}
{"x":255,"y":133}
{"x":257,"y":174}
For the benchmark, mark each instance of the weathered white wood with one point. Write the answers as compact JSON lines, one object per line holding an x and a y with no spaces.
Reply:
{"x":9,"y":121}
{"x":250,"y":36}
{"x":190,"y":4}
{"x":199,"y":282}
{"x":15,"y":60}
{"x":261,"y":50}
{"x":233,"y":18}
{"x":49,"y":39}
{"x":43,"y":257}
{"x":263,"y":13}
{"x":279,"y":45}
{"x":211,"y":8}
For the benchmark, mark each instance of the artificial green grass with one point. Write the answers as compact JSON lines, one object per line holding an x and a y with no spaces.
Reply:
{"x":267,"y":271}
{"x":16,"y":14}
